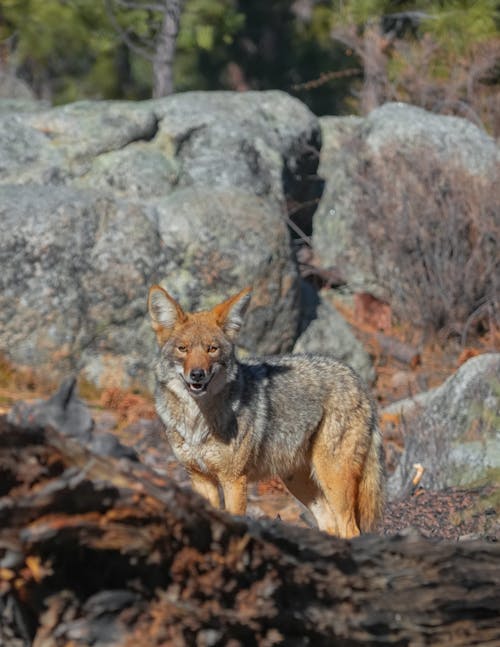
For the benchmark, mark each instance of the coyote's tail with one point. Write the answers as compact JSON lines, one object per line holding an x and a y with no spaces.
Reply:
{"x":371,"y":497}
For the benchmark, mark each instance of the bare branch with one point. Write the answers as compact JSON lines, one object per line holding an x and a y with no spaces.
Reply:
{"x":325,"y":77}
{"x":123,"y":34}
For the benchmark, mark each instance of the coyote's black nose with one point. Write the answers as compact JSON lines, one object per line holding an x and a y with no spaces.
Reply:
{"x":197,"y":374}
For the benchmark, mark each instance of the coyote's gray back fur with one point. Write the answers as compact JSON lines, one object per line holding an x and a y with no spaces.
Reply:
{"x":283,"y":399}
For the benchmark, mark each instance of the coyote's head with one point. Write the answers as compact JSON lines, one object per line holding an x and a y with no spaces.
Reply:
{"x":199,"y":345}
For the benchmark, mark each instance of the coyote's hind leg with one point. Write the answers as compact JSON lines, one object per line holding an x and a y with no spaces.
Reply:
{"x":338,"y":476}
{"x":303,"y":487}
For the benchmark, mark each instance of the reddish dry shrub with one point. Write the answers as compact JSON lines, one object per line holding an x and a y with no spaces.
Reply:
{"x":129,"y":406}
{"x":370,"y":311}
{"x":18,"y":380}
{"x":466,"y":86}
{"x":434,"y":231}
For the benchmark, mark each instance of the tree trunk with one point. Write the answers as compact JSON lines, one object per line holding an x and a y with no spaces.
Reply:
{"x":376,"y":87}
{"x":96,"y":550}
{"x":163,"y":60}
{"x":370,"y":47}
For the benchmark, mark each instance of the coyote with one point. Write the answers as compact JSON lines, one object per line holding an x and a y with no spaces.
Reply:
{"x":305,"y":418}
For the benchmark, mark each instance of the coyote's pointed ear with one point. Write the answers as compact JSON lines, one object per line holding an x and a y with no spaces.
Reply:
{"x":165,"y":312}
{"x":229,"y":314}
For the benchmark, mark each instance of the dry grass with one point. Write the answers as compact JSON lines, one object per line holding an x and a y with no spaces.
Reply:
{"x":24,"y":383}
{"x":469,"y":88}
{"x":437,"y":232}
{"x":129,"y":407}
{"x":21,"y":382}
{"x":426,"y":73}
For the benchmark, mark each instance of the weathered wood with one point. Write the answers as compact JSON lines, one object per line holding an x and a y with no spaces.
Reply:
{"x":95,"y":550}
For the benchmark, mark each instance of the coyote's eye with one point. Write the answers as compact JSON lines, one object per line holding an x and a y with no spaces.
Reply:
{"x":181,"y":348}
{"x":213,"y":348}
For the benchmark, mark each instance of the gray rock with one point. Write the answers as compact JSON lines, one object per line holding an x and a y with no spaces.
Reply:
{"x":265,"y":143}
{"x":64,"y":411}
{"x":13,"y":88}
{"x":139,"y":171}
{"x":26,"y":154}
{"x":339,"y":236}
{"x":75,"y":271}
{"x":106,"y":444}
{"x":335,"y":239}
{"x":85,"y":129}
{"x":453,"y":430}
{"x":98,"y":200}
{"x":451,"y":138}
{"x":15,"y":106}
{"x":326,"y":332}
{"x":232,"y":247}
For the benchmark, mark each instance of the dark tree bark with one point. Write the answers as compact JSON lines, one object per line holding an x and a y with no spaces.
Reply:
{"x":95,"y":550}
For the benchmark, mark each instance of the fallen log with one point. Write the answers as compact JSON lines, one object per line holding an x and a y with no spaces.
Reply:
{"x":102,"y":551}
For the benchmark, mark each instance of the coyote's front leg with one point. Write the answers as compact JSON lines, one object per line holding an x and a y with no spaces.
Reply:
{"x":207,"y":487}
{"x":235,"y":495}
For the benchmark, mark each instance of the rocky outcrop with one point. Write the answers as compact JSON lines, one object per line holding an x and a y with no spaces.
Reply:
{"x":325,"y":331}
{"x":371,"y":165}
{"x":100,"y":200}
{"x":453,"y":430}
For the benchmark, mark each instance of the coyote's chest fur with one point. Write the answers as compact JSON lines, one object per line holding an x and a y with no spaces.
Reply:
{"x":201,"y":441}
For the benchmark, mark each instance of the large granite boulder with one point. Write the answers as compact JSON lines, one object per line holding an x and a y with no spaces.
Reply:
{"x":399,"y":162}
{"x":324,"y":330}
{"x":98,"y":200}
{"x":454,"y":429}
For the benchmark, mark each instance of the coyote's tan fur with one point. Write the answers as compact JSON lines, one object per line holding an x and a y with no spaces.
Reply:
{"x":305,"y":418}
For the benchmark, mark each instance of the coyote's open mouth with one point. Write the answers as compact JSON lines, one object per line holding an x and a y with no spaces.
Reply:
{"x":198,"y":388}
